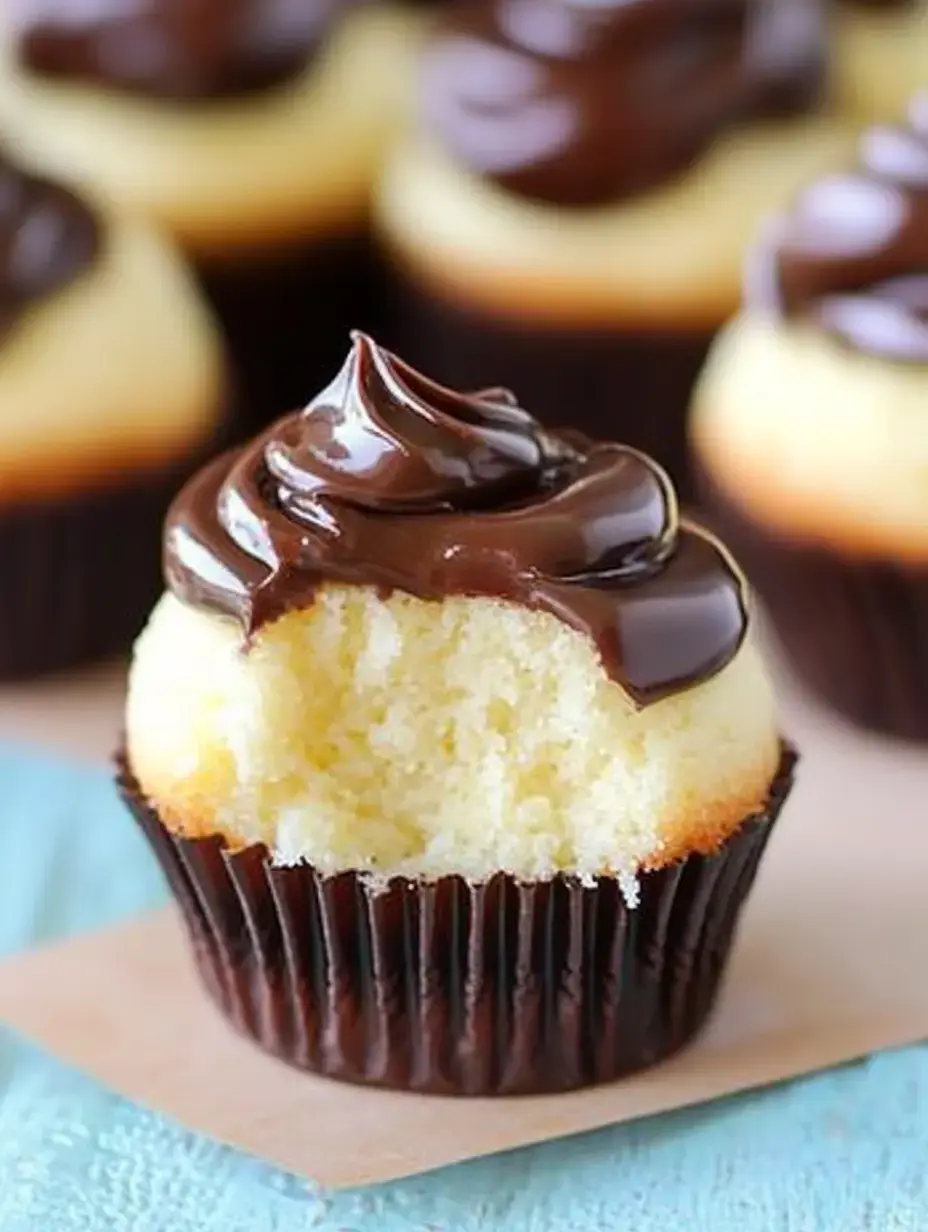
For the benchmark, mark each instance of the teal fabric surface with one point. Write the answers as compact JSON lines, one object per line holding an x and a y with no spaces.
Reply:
{"x":842,"y":1152}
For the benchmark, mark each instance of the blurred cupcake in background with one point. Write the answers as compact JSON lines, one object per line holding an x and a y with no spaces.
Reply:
{"x":460,"y":762}
{"x":250,"y":130}
{"x":880,"y":56}
{"x":111,"y":389}
{"x":811,"y":426}
{"x":571,"y":214}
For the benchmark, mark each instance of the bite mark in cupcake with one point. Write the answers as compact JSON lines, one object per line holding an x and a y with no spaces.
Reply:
{"x":434,"y":681}
{"x":495,"y":506}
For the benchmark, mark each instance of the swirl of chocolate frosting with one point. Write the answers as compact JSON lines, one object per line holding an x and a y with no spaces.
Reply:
{"x":171,"y":49}
{"x":580,"y":102}
{"x":389,"y":480}
{"x":852,"y":254}
{"x":48,"y":237}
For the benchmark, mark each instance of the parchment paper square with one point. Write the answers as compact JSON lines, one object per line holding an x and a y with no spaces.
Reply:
{"x":830,"y":964}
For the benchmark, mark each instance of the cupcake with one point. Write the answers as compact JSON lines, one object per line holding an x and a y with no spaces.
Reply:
{"x":111,"y":377}
{"x":880,"y":56}
{"x":810,"y":427}
{"x":571,"y":214}
{"x":452,"y":742}
{"x":250,"y":130}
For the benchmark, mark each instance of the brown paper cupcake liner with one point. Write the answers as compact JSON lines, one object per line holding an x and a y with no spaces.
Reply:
{"x":81,"y":574}
{"x":457,"y":988}
{"x":854,"y":630}
{"x":610,"y":384}
{"x":286,"y":318}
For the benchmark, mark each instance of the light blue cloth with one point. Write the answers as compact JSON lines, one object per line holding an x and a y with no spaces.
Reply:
{"x":841,"y":1152}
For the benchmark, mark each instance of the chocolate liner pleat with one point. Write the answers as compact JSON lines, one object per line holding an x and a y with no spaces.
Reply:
{"x":286,"y":317}
{"x":855,"y":630}
{"x":81,"y":573}
{"x":453,"y":987}
{"x":610,"y":384}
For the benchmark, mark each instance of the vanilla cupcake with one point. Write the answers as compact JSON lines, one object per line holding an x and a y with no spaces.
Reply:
{"x":250,"y":130}
{"x":571,"y":214}
{"x":880,"y":56}
{"x":112,"y":388}
{"x":811,"y":426}
{"x":452,"y":741}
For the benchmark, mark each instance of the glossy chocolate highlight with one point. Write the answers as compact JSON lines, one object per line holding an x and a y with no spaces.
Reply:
{"x":172,"y":49}
{"x":852,"y":254}
{"x":576,"y":102}
{"x":48,"y":238}
{"x":389,"y":480}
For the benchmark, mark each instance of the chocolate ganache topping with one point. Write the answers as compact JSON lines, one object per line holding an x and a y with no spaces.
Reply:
{"x":48,"y":237}
{"x":388,"y":480}
{"x":580,"y":102}
{"x":852,"y":254}
{"x":172,"y":49}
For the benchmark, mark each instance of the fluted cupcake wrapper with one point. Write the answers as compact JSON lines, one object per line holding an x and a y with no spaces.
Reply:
{"x":612,"y":384}
{"x":80,"y":573}
{"x":286,"y":317}
{"x":453,"y":987}
{"x":855,"y":630}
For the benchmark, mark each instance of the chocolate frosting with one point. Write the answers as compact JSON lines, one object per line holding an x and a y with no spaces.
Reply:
{"x":389,"y":480}
{"x":580,"y":102}
{"x":47,"y":238}
{"x":172,"y":49}
{"x":852,"y":253}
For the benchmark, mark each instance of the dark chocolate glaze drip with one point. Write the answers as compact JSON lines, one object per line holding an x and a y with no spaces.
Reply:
{"x":580,"y":102}
{"x":48,"y":237}
{"x":852,"y":253}
{"x":174,"y":49}
{"x":389,"y":480}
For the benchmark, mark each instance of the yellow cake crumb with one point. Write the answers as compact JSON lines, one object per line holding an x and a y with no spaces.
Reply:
{"x":406,"y":737}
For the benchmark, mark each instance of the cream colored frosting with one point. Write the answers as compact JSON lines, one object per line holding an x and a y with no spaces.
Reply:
{"x":668,"y":258}
{"x":120,"y":370}
{"x":817,"y":440}
{"x":880,"y":59}
{"x":408,"y":737}
{"x":291,"y":163}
